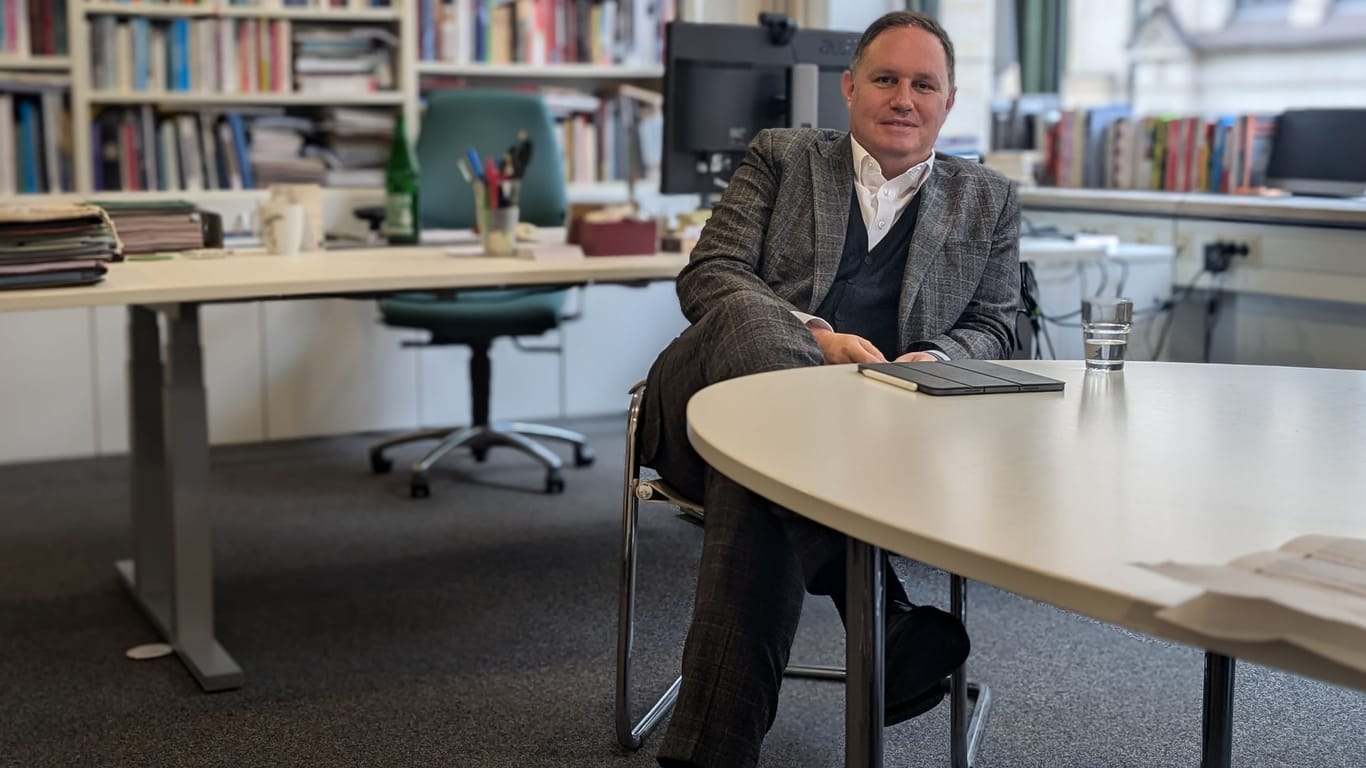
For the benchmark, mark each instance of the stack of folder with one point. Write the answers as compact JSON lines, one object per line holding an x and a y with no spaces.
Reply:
{"x":156,"y":227}
{"x":44,"y":246}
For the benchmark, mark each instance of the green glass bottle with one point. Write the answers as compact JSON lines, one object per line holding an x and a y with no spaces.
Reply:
{"x":402,"y":219}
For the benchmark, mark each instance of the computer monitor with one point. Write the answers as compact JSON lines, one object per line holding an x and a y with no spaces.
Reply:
{"x":723,"y":83}
{"x":1319,"y":152}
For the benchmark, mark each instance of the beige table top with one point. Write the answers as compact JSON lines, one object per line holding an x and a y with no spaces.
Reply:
{"x":1055,"y":495}
{"x":255,"y":275}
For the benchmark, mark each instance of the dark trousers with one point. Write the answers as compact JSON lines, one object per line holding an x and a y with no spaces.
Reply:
{"x":758,"y":559}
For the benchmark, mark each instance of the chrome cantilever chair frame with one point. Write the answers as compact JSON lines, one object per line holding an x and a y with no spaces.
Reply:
{"x":965,"y":726}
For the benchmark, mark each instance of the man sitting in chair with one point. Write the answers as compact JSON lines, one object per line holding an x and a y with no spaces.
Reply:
{"x":826,"y":248}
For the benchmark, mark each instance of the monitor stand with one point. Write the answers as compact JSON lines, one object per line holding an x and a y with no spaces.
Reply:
{"x":803,"y":99}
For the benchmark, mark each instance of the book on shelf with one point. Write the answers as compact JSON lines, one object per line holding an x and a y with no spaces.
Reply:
{"x":190,"y":55}
{"x":615,"y":136}
{"x":140,"y":149}
{"x":1108,"y":148}
{"x":337,"y":4}
{"x":238,"y":55}
{"x":355,"y":145}
{"x":35,"y":133}
{"x":540,"y":32}
{"x":33,"y":28}
{"x":347,"y":60}
{"x":264,"y":5}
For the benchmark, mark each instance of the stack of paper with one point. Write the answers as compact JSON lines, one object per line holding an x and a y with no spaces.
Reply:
{"x":1310,"y":593}
{"x":51,"y":245}
{"x":155,"y":227}
{"x":278,"y":153}
{"x":357,"y":145}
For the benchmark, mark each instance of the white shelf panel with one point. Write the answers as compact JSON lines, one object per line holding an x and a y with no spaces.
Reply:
{"x":234,"y":11}
{"x":36,"y":63}
{"x":388,"y":98}
{"x":590,"y":192}
{"x":554,"y":72}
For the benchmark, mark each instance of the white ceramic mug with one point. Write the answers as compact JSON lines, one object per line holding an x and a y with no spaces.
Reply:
{"x":282,"y":227}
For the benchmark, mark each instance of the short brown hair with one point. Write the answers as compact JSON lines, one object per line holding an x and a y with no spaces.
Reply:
{"x":898,"y":19}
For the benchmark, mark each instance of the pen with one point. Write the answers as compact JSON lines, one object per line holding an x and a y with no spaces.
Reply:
{"x":493,"y":178}
{"x":465,"y":170}
{"x":473,"y":155}
{"x":521,"y":154}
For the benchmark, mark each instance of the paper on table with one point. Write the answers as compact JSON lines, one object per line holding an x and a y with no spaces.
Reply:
{"x":1311,"y":592}
{"x":1250,"y":620}
{"x":542,"y":252}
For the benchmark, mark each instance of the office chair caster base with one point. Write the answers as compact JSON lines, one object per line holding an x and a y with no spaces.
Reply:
{"x":418,"y":487}
{"x":583,"y":456}
{"x":554,"y":483}
{"x":379,"y":465}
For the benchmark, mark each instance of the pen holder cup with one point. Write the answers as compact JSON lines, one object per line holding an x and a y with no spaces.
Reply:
{"x":498,"y":231}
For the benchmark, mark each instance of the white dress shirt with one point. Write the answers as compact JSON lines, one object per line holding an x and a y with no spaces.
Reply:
{"x":881,"y":201}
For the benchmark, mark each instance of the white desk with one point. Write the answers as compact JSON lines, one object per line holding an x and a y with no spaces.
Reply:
{"x":1054,"y":495}
{"x":170,"y":575}
{"x":1050,"y":250}
{"x":255,"y":275}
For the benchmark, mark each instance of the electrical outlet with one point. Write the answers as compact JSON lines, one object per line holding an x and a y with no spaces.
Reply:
{"x":1240,"y":249}
{"x":1254,"y":247}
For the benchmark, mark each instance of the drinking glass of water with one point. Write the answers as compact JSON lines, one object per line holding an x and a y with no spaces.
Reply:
{"x":1105,"y":324}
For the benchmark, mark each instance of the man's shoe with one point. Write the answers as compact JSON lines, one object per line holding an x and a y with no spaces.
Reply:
{"x":923,"y":646}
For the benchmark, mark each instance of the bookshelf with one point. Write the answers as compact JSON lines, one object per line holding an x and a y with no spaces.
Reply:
{"x":250,"y":99}
{"x":35,"y":63}
{"x":102,"y":76}
{"x":212,"y":10}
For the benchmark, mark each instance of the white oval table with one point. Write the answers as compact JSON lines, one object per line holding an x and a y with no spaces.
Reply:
{"x":1055,"y":495}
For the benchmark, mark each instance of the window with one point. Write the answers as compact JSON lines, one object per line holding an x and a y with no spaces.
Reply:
{"x":1244,"y":10}
{"x":1040,"y":34}
{"x":1346,"y":7}
{"x":928,"y":7}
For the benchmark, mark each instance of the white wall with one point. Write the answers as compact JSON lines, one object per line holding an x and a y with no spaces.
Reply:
{"x":1261,"y":82}
{"x":1097,"y":64}
{"x":851,"y":15}
{"x":971,"y":25}
{"x":1202,"y":15}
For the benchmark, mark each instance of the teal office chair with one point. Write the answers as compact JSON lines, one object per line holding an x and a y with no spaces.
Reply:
{"x":487,"y":120}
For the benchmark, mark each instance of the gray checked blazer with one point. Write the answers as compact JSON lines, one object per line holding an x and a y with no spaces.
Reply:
{"x":778,"y":234}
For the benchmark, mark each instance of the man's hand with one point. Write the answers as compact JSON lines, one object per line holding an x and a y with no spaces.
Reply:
{"x":916,"y":357}
{"x":846,"y":348}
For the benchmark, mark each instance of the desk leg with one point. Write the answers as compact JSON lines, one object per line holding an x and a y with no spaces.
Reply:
{"x":1216,"y":733}
{"x":864,"y":657}
{"x":171,"y":573}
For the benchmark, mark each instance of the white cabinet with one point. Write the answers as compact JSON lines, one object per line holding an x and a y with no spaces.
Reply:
{"x":1296,"y":297}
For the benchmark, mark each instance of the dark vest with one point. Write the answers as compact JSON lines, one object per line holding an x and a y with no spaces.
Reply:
{"x":866,"y":293}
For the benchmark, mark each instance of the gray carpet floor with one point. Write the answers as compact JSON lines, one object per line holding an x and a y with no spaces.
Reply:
{"x":477,"y":628}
